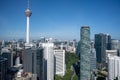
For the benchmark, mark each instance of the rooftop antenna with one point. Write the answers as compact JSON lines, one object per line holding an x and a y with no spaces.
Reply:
{"x":28,"y":4}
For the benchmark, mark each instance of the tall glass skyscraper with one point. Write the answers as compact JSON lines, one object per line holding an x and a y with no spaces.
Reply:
{"x":108,"y":42}
{"x":100,"y":46}
{"x":85,"y":53}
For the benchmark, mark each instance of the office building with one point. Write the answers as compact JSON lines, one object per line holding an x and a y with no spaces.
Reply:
{"x":119,"y":49}
{"x":3,"y":68}
{"x":115,"y":44}
{"x":33,"y":61}
{"x":85,"y":53}
{"x":110,"y":52}
{"x":42,"y":40}
{"x":78,"y":48}
{"x":108,"y":42}
{"x":9,"y":56}
{"x":17,"y":61}
{"x":48,"y":61}
{"x":100,"y":46}
{"x":92,"y":57}
{"x":3,"y":44}
{"x":59,"y":61}
{"x":113,"y":67}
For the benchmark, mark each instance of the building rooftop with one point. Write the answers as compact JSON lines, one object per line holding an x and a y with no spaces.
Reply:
{"x":2,"y":59}
{"x":85,"y":27}
{"x":24,"y":76}
{"x":111,"y":50}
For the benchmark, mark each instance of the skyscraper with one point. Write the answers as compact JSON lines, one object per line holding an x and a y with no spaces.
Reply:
{"x":48,"y":61}
{"x":85,"y":53}
{"x":100,"y":46}
{"x":113,"y":67}
{"x":33,"y":61}
{"x":9,"y":56}
{"x":3,"y":44}
{"x":93,"y":57}
{"x":59,"y":62}
{"x":115,"y":44}
{"x":3,"y":68}
{"x":108,"y":42}
{"x":28,"y":13}
{"x":92,"y":61}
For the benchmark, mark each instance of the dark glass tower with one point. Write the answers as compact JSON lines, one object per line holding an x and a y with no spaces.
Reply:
{"x":100,"y":46}
{"x":3,"y":68}
{"x":108,"y":42}
{"x":9,"y":56}
{"x":85,"y":53}
{"x":33,"y":61}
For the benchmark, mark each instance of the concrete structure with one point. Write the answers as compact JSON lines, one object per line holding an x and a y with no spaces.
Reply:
{"x":48,"y":61}
{"x":93,"y":58}
{"x":115,"y":44}
{"x":59,"y":61}
{"x":17,"y":61}
{"x":5,"y":49}
{"x":93,"y":61}
{"x":28,"y":13}
{"x":100,"y":46}
{"x":78,"y":48}
{"x":110,"y":52}
{"x":113,"y":67}
{"x":85,"y":53}
{"x":3,"y":68}
{"x":42,"y":40}
{"x":33,"y":61}
{"x":3,"y":44}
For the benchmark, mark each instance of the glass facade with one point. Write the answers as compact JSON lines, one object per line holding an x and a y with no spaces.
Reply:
{"x":3,"y":68}
{"x":100,"y":46}
{"x":33,"y":62}
{"x":85,"y":53}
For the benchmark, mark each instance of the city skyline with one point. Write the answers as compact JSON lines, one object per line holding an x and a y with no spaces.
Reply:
{"x":59,"y":18}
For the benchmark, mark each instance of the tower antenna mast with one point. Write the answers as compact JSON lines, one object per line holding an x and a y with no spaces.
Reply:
{"x":28,"y":5}
{"x":28,"y":13}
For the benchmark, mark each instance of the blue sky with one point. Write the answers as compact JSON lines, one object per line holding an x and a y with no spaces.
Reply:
{"x":59,"y":19}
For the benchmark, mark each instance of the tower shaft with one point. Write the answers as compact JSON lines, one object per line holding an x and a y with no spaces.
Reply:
{"x":28,"y":32}
{"x":28,"y":13}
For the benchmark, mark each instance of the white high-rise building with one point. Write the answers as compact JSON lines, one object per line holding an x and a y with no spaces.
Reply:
{"x":110,"y":52}
{"x":113,"y":67}
{"x":3,"y":43}
{"x":48,"y":71}
{"x":17,"y":62}
{"x":60,"y":66}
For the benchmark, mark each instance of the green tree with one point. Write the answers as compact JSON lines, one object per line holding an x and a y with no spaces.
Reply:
{"x":70,"y":59}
